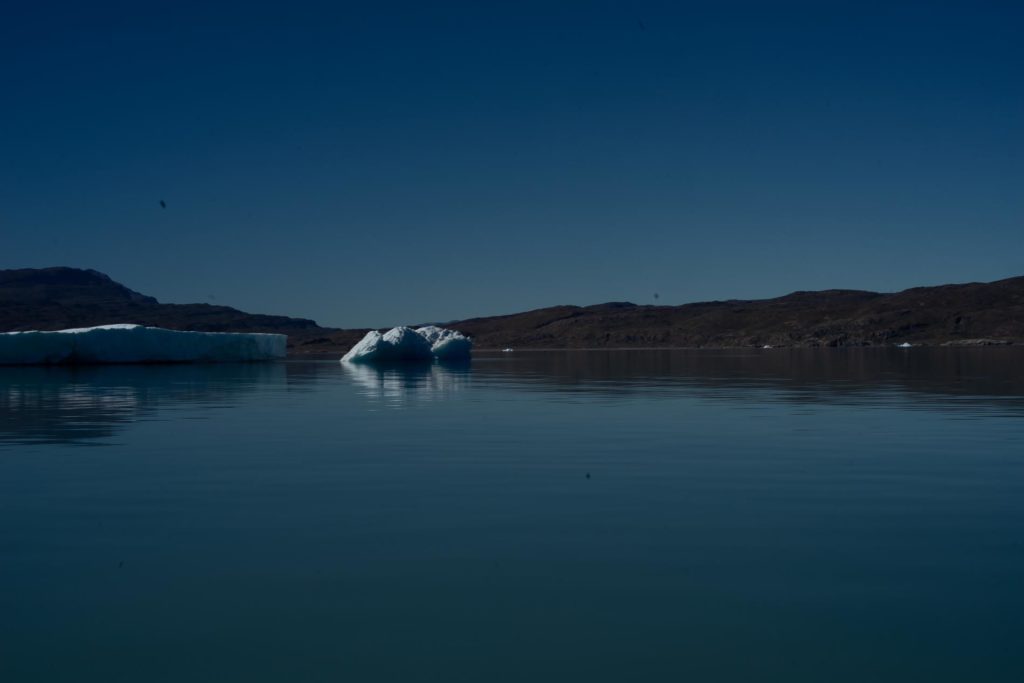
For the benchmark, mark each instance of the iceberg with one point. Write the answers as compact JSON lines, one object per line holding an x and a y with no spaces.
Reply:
{"x":446,"y":344}
{"x":136,"y":344}
{"x":407,"y":344}
{"x":400,"y":343}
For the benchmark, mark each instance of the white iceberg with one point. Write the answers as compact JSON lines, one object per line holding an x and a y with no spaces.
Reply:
{"x":405,"y":344}
{"x":446,"y":344}
{"x":400,"y":343}
{"x":136,"y":344}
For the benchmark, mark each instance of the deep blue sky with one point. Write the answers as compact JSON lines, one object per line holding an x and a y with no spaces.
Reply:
{"x":379,"y":163}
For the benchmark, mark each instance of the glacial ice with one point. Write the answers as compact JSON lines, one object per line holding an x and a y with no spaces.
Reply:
{"x":400,"y":343}
{"x":446,"y":344}
{"x":136,"y":344}
{"x":405,"y":343}
{"x":432,"y":332}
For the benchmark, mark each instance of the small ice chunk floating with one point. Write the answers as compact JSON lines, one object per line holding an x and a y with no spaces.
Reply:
{"x":136,"y":344}
{"x":406,"y":343}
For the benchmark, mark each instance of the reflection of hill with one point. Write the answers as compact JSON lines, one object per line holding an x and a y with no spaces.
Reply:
{"x":77,"y":405}
{"x":81,"y":405}
{"x":401,"y":383}
{"x":806,"y":375}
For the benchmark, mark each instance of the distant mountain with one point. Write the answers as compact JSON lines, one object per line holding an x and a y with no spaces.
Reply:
{"x":60,"y":298}
{"x":975,"y":313}
{"x":950,"y":314}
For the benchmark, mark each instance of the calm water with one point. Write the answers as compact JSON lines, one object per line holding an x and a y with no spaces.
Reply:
{"x":596,"y":516}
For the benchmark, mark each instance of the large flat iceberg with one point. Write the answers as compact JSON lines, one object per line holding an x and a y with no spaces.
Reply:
{"x":407,"y":344}
{"x":136,"y":344}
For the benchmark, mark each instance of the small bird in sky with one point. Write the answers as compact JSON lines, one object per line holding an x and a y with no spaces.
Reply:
{"x":163,"y":204}
{"x":655,"y":296}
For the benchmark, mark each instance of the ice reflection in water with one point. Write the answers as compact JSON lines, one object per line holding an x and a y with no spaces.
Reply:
{"x":41,"y":405}
{"x":90,"y":405}
{"x":396,"y":385}
{"x":839,"y":515}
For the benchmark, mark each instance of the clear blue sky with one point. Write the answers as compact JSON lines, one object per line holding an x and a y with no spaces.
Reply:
{"x":383,"y":162}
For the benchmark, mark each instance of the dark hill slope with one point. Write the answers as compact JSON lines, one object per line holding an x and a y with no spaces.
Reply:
{"x":970,"y":313}
{"x":59,"y":298}
{"x":56,"y":298}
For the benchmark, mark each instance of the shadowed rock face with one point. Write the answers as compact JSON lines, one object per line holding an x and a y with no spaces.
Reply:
{"x":968,"y":314}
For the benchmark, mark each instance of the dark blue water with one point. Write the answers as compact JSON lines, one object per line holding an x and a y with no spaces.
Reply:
{"x":600,"y":516}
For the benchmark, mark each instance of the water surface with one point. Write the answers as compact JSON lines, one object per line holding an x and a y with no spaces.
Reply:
{"x":772,"y":515}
